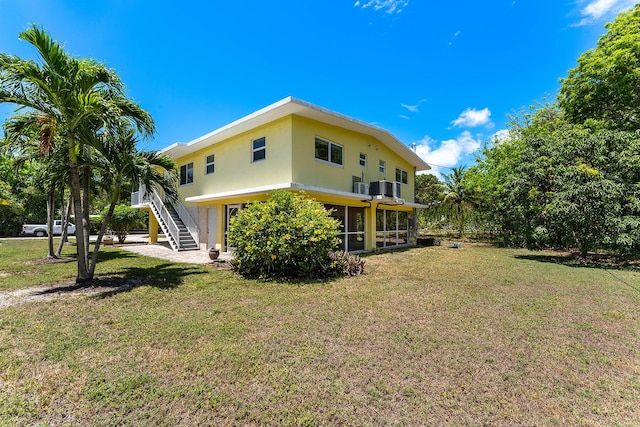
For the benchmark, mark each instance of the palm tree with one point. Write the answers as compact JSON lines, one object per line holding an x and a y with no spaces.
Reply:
{"x":458,"y":196}
{"x":119,"y":161}
{"x":82,"y":97}
{"x":31,"y":136}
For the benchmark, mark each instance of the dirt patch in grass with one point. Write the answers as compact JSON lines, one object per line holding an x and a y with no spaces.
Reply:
{"x":98,"y":287}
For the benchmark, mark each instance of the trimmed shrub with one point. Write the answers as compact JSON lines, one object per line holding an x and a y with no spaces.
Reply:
{"x":289,"y":235}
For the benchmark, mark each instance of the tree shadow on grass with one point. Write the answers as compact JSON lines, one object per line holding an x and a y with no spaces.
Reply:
{"x":162,"y":276}
{"x":609,"y":263}
{"x":601,"y":261}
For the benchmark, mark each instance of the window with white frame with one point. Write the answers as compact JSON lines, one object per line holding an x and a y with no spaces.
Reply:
{"x":186,"y":174}
{"x":328,"y":151}
{"x":258,"y":149}
{"x":210,"y":164}
{"x":382,"y":166}
{"x":392,"y":228}
{"x":402,"y":176}
{"x":363,"y":160}
{"x":352,"y":226}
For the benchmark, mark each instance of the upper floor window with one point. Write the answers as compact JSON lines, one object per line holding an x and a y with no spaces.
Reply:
{"x":210,"y":164}
{"x":402,"y":176}
{"x":258,"y":149}
{"x":382,"y":167}
{"x":363,"y":160}
{"x":328,"y":151}
{"x":186,"y":174}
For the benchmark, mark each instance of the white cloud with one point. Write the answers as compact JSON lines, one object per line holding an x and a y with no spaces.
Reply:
{"x":501,"y":136}
{"x":403,"y":116}
{"x":472,"y":118}
{"x":412,"y":108}
{"x":455,"y":35}
{"x":389,"y":6}
{"x":448,"y":153}
{"x":597,"y":9}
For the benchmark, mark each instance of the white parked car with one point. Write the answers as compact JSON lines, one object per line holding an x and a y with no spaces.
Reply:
{"x":40,"y":230}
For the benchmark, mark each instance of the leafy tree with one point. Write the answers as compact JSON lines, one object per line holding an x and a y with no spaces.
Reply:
{"x":430,"y":192}
{"x":289,"y":235}
{"x":577,"y":189}
{"x":605,"y":84}
{"x":487,"y":179}
{"x":429,"y":189}
{"x":10,"y":211}
{"x":121,"y":219}
{"x":22,"y":199}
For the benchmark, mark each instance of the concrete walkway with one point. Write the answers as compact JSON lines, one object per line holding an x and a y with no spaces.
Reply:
{"x":139,"y":245}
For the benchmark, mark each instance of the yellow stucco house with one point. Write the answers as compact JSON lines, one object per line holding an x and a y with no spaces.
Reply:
{"x":361,"y":172}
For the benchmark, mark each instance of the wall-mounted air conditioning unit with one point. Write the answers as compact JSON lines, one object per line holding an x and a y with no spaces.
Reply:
{"x":396,"y":189}
{"x":385,"y":188}
{"x":360,"y":188}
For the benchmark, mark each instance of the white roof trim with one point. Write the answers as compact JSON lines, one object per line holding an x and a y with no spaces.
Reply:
{"x":330,"y":192}
{"x":293,"y":106}
{"x":236,"y":193}
{"x":268,"y":188}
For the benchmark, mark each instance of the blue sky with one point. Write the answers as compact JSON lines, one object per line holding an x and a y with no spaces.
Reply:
{"x":442,"y":75}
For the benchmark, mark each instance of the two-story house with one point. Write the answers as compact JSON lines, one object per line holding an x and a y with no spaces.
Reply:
{"x":361,"y":172}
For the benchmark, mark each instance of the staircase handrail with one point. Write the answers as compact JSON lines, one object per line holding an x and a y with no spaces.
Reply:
{"x":188,"y":221}
{"x":172,"y":228}
{"x":137,"y":197}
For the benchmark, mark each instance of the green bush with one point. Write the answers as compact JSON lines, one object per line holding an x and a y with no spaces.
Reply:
{"x":10,"y":219}
{"x":95,"y":223}
{"x":289,"y":235}
{"x":123,"y":219}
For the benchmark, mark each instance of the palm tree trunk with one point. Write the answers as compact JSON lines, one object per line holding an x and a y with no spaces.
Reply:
{"x":51,"y":214}
{"x":96,"y":248}
{"x":83,"y":271}
{"x":86,"y":178}
{"x":65,"y":226}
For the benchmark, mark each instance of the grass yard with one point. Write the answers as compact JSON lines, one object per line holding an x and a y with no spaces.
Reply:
{"x":429,"y":336}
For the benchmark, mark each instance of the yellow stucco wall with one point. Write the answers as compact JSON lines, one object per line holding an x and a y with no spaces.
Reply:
{"x":234,"y":169}
{"x":290,"y":157}
{"x":311,"y":171}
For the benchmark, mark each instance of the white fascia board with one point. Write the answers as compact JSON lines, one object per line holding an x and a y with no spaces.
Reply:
{"x":269,"y":188}
{"x":330,"y":192}
{"x":236,"y":193}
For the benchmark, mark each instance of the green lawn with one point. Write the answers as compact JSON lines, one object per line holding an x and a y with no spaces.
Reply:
{"x":429,"y":336}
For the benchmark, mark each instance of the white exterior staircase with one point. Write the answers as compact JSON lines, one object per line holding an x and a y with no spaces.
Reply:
{"x":175,"y":221}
